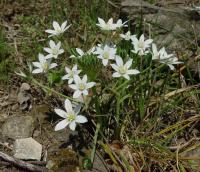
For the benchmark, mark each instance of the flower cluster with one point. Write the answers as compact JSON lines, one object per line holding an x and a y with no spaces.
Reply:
{"x":109,"y":26}
{"x":107,"y":53}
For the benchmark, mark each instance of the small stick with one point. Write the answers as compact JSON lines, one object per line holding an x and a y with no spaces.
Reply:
{"x":22,"y":164}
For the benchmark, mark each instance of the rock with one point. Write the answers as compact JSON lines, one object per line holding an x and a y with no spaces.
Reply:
{"x":24,"y":97}
{"x":25,"y":87}
{"x":27,"y":149}
{"x":18,"y":127}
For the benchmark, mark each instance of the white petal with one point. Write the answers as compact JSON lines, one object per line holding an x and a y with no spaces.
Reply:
{"x":133,"y":71}
{"x":70,"y":80}
{"x":90,"y":84}
{"x":77,"y":79}
{"x":64,"y":24}
{"x":105,"y":62}
{"x":74,"y":67}
{"x":52,"y":44}
{"x":81,"y":119}
{"x":115,"y":67}
{"x":73,"y":86}
{"x":116,"y":75}
{"x":67,"y":27}
{"x":37,"y":64}
{"x":79,"y":51}
{"x":52,"y":65}
{"x":48,"y":50}
{"x":51,"y":32}
{"x":77,"y":108}
{"x":37,"y":71}
{"x":119,"y":61}
{"x":65,"y":77}
{"x":126,"y":76}
{"x":58,"y":45}
{"x":148,"y":41}
{"x":101,"y":21}
{"x":84,"y":80}
{"x":129,"y":63}
{"x":68,"y":106}
{"x":154,"y":49}
{"x":85,"y":92}
{"x":110,"y":21}
{"x":142,"y":38}
{"x":49,"y":56}
{"x":61,"y":51}
{"x":62,"y":124}
{"x":72,"y":125}
{"x":41,"y":58}
{"x":56,"y":26}
{"x":68,"y":70}
{"x":61,"y":113}
{"x":77,"y":94}
{"x":171,"y":67}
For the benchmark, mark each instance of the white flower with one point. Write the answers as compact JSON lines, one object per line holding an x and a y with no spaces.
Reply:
{"x":58,"y":29}
{"x":156,"y":55}
{"x":81,"y":53}
{"x":127,"y":36}
{"x":81,"y":86}
{"x":71,"y":73}
{"x":105,"y":53}
{"x":71,"y":117}
{"x":163,"y":57}
{"x":106,"y":26}
{"x":170,"y":62}
{"x":122,"y":70}
{"x":43,"y":65}
{"x":168,"y":59}
{"x":54,"y":50}
{"x":119,"y":24}
{"x":141,"y":45}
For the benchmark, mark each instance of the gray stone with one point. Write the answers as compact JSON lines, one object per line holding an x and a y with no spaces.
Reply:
{"x":18,"y":127}
{"x":27,"y":149}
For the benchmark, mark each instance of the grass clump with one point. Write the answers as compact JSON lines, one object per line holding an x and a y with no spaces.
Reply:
{"x":7,"y":65}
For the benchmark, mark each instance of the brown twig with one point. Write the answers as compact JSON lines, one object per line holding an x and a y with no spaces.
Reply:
{"x":22,"y":164}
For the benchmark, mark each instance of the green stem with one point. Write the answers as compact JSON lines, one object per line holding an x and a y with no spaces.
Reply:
{"x":98,"y":126}
{"x":53,"y":91}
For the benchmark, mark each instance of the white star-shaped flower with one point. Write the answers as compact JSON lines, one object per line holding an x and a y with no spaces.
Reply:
{"x":127,"y":36}
{"x":163,"y":57}
{"x":71,"y":116}
{"x":43,"y":65}
{"x":57,"y":29}
{"x":168,"y":59}
{"x":141,"y":46}
{"x":120,"y":24}
{"x":54,"y":50}
{"x":81,"y":86}
{"x":105,"y":53}
{"x":106,"y":26}
{"x":81,"y":52}
{"x":122,"y":70}
{"x":71,"y":73}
